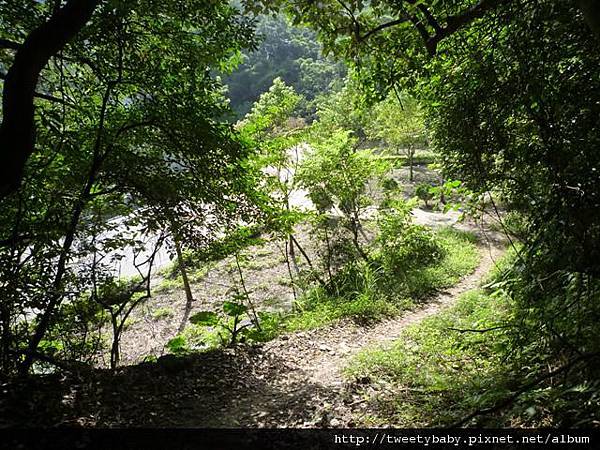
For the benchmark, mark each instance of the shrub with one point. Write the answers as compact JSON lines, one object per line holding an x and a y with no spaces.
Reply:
{"x":402,"y":245}
{"x":424,"y":192}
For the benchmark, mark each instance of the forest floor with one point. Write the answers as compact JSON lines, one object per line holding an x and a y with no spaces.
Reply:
{"x":296,"y":380}
{"x":317,"y":393}
{"x":266,"y":277}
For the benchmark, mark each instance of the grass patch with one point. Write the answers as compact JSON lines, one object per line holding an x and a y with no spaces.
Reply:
{"x":168,"y":285}
{"x":162,"y":313}
{"x":441,"y":371}
{"x":460,"y":258}
{"x":366,"y":303}
{"x":434,"y":375}
{"x":365,"y":307}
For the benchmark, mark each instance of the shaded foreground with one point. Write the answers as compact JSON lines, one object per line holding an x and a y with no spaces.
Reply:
{"x":292,"y":381}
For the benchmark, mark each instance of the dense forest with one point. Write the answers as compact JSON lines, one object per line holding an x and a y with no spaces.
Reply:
{"x":301,"y":214}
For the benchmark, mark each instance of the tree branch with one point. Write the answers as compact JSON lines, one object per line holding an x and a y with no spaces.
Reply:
{"x":383,"y":26}
{"x":41,"y":95}
{"x":458,"y":21}
{"x":478,"y":330}
{"x":6,"y":43}
{"x":17,"y":129}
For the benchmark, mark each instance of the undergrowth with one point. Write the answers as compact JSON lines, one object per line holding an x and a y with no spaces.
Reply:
{"x":362,"y":293}
{"x":371,"y":298}
{"x":462,"y":367}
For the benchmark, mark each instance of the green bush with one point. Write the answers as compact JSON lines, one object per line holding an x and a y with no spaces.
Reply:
{"x":424,"y":192}
{"x":368,"y":291}
{"x":389,"y":184}
{"x":402,"y":245}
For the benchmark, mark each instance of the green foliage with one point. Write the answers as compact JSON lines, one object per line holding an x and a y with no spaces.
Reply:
{"x":162,"y":313}
{"x":337,"y":177}
{"x":270,"y":327}
{"x":460,"y":257}
{"x":434,"y":376}
{"x":337,"y":174}
{"x":389,"y":185}
{"x":133,"y":143}
{"x":272,"y":110}
{"x":229,"y":324}
{"x":290,"y":53}
{"x":75,"y":335}
{"x":344,"y":109}
{"x":233,"y":242}
{"x":474,"y":357}
{"x":205,"y":318}
{"x":404,"y":247}
{"x":399,"y":122}
{"x":367,"y":291}
{"x":515,"y":225}
{"x":178,"y":345}
{"x":424,"y":192}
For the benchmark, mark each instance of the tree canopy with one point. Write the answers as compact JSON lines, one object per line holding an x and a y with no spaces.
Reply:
{"x":129,"y":121}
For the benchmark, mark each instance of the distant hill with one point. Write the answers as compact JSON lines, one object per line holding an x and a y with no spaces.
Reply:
{"x":286,"y":51}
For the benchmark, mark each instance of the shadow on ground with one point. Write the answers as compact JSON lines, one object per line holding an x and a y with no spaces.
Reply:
{"x":214,"y":389}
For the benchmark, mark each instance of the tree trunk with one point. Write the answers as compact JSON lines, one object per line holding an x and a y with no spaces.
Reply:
{"x":307,"y":259}
{"x":292,"y":255}
{"x":189,"y":298}
{"x":247,"y":294}
{"x":17,"y":129}
{"x":411,"y":155}
{"x":115,"y":355}
{"x":286,"y":255}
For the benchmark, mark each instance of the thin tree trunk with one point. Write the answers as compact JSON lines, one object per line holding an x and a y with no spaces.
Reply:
{"x":411,"y":154}
{"x":356,"y":229}
{"x":294,"y":241}
{"x":189,"y":298}
{"x":286,"y":255}
{"x":292,"y":255}
{"x":61,"y":269}
{"x":56,"y":289}
{"x":329,"y":256}
{"x":247,"y":294}
{"x":114,"y":349}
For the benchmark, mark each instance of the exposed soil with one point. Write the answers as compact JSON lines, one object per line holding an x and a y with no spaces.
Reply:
{"x":293,"y":381}
{"x":317,"y":358}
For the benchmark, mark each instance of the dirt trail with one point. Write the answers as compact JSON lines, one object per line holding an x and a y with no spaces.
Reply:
{"x":292,"y":381}
{"x":308,"y":390}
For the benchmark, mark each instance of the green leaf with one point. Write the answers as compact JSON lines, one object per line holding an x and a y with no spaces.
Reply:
{"x":205,"y":318}
{"x":234,"y":309}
